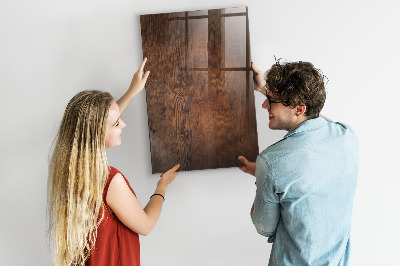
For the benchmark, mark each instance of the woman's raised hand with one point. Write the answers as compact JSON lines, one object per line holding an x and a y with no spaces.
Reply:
{"x":138,"y":79}
{"x":137,"y":85}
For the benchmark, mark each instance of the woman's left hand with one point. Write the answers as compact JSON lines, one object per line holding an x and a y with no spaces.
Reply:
{"x":139,"y":80}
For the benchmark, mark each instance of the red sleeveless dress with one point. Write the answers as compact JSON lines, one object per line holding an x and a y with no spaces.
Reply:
{"x":116,"y":244}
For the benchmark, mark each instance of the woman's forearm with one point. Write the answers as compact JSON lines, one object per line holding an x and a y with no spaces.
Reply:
{"x":124,"y":101}
{"x":154,"y":207}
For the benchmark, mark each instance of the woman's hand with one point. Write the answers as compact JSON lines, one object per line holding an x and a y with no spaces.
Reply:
{"x":259,"y":82}
{"x":168,"y":176}
{"x":249,"y":167}
{"x":137,"y":85}
{"x":138,"y":79}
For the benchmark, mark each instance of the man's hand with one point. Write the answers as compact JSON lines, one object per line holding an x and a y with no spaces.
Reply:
{"x":259,"y":81}
{"x":249,"y":167}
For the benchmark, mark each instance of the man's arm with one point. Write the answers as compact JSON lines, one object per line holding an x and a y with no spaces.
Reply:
{"x":265,"y":217}
{"x":259,"y":81}
{"x":265,"y":212}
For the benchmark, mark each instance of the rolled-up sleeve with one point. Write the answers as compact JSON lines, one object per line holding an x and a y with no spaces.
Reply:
{"x":266,"y":211}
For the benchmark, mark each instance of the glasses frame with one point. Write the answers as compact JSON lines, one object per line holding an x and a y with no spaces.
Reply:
{"x":269,"y":99}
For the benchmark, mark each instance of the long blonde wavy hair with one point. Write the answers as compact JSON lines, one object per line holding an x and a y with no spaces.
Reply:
{"x":78,"y":171}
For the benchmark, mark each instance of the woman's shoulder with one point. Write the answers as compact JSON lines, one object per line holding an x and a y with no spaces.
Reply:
{"x":117,"y":178}
{"x":113,"y":171}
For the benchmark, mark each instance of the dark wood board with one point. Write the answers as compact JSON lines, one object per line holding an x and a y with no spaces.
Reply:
{"x":200,"y":94}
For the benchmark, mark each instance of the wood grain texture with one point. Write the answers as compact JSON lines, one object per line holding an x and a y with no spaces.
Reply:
{"x":200,"y":97}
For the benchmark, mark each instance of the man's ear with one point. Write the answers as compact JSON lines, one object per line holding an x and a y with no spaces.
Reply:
{"x":300,"y":110}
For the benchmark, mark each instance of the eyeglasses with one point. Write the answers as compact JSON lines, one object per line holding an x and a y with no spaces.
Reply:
{"x":264,"y":91}
{"x":270,"y":101}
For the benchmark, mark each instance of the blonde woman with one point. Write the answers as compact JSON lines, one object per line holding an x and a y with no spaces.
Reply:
{"x":95,"y":217}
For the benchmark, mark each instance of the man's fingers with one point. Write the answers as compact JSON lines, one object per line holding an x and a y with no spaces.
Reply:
{"x":244,"y":169}
{"x":243,"y":160}
{"x":254,"y":68}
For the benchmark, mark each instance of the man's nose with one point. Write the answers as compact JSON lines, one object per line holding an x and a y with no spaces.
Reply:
{"x":265,"y":104}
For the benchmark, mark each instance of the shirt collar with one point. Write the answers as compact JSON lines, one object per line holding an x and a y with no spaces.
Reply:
{"x":307,"y":125}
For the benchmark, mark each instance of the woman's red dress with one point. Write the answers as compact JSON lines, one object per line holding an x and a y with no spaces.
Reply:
{"x":116,"y":244}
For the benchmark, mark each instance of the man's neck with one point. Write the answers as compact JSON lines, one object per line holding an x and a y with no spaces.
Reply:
{"x":298,"y":121}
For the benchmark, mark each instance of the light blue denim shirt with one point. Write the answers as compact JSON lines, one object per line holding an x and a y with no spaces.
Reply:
{"x":305,"y":189}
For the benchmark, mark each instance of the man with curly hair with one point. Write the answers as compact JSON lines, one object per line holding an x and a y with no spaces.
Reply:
{"x":306,"y":181}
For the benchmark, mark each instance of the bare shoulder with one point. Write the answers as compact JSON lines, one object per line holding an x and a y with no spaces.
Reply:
{"x":117,"y":185}
{"x":117,"y":180}
{"x":123,"y":203}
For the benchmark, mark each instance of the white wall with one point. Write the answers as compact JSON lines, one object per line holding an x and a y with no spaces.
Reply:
{"x":49,"y":50}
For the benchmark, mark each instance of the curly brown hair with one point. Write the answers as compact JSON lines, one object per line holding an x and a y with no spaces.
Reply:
{"x":298,"y":83}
